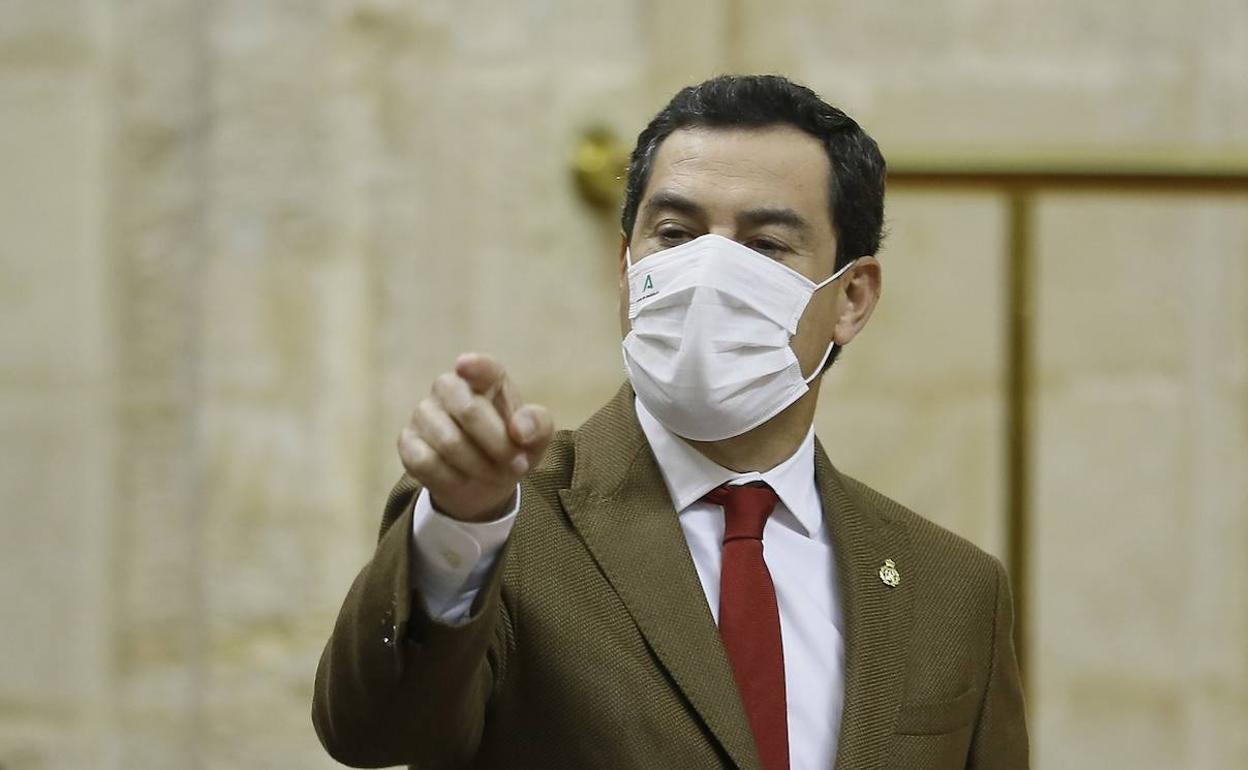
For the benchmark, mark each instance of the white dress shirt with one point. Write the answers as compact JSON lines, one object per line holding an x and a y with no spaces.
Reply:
{"x":452,"y":560}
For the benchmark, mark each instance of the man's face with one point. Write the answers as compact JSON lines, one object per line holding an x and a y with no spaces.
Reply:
{"x":767,"y":189}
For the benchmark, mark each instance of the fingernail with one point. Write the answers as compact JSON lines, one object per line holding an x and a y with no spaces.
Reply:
{"x":520,"y":464}
{"x":525,"y":426}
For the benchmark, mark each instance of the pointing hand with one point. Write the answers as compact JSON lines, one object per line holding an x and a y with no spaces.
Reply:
{"x":472,"y":440}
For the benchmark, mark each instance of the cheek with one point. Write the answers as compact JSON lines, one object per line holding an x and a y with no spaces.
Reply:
{"x":815,"y":329}
{"x":820,"y":313}
{"x":825,"y":306}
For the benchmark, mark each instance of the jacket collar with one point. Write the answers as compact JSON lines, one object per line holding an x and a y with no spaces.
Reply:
{"x":689,"y":474}
{"x":620,"y":506}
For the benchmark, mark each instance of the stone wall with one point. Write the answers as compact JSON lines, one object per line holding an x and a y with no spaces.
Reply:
{"x":238,"y":239}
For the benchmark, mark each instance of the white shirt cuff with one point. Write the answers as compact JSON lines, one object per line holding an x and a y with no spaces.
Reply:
{"x":452,"y":559}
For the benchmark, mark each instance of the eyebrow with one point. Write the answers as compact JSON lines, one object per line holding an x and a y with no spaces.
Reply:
{"x":670,"y":200}
{"x":757,"y":217}
{"x":774,"y":216}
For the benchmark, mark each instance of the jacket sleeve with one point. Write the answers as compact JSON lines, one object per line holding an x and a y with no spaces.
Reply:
{"x":1000,"y":739}
{"x":395,"y":687}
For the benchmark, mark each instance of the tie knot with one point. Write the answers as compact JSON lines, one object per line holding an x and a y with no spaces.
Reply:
{"x":746,"y":509}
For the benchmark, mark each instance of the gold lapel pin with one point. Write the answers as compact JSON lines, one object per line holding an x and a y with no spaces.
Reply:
{"x":889,"y":574}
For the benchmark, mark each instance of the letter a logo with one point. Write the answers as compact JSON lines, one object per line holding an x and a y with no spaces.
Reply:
{"x":648,"y":285}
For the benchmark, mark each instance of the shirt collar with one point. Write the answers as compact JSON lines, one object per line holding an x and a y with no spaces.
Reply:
{"x":689,"y":474}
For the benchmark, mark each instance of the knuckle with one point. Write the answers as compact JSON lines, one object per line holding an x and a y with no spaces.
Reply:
{"x":439,"y":388}
{"x":431,"y":441}
{"x":490,"y":441}
{"x":422,"y":455}
{"x":499,"y":446}
{"x":446,"y":386}
{"x":436,"y":432}
{"x":426,"y":418}
{"x":469,"y":412}
{"x":409,"y":443}
{"x":460,"y":448}
{"x":414,"y":457}
{"x":449,"y":444}
{"x":476,"y":467}
{"x":426,"y":408}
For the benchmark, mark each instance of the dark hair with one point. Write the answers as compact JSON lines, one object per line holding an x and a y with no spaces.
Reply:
{"x":856,"y":190}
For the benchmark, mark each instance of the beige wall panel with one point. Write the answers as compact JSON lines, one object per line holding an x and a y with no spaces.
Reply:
{"x":49,"y":224}
{"x":1140,"y":500}
{"x":156,"y":197}
{"x":286,"y":382}
{"x":1141,"y":504}
{"x":50,"y":557}
{"x":55,"y":426}
{"x":388,"y":187}
{"x":483,"y":242}
{"x":984,"y":79}
{"x":914,"y":406}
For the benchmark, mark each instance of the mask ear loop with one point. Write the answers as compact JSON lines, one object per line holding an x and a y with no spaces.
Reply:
{"x":835,"y":275}
{"x":831,"y":345}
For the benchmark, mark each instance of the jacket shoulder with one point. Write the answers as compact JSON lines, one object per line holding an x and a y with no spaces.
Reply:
{"x":937,"y":548}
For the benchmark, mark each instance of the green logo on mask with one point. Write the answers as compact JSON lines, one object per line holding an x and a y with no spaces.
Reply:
{"x":648,"y":286}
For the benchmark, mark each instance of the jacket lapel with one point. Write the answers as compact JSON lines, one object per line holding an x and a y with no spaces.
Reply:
{"x":621,"y":509}
{"x":877,"y":617}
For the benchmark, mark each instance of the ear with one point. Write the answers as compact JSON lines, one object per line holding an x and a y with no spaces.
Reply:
{"x":860,"y":291}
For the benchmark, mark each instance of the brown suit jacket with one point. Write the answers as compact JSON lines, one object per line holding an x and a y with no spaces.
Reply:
{"x":592,"y":646}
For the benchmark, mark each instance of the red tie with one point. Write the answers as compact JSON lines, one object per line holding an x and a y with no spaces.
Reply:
{"x":749,"y":620}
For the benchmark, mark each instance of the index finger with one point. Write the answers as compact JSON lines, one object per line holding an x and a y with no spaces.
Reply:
{"x":486,"y":376}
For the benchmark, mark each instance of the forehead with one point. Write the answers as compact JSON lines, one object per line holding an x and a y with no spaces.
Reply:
{"x":739,"y":168}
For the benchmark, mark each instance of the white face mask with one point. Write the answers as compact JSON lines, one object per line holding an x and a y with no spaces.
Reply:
{"x":708,"y":353}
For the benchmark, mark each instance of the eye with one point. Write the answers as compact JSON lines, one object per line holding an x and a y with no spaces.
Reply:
{"x":766,"y":246}
{"x":671,"y":235}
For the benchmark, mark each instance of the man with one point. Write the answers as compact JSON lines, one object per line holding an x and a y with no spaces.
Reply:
{"x":603,"y":599}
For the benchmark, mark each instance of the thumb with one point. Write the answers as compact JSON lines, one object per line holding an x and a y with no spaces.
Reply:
{"x":531,"y":427}
{"x":486,"y":375}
